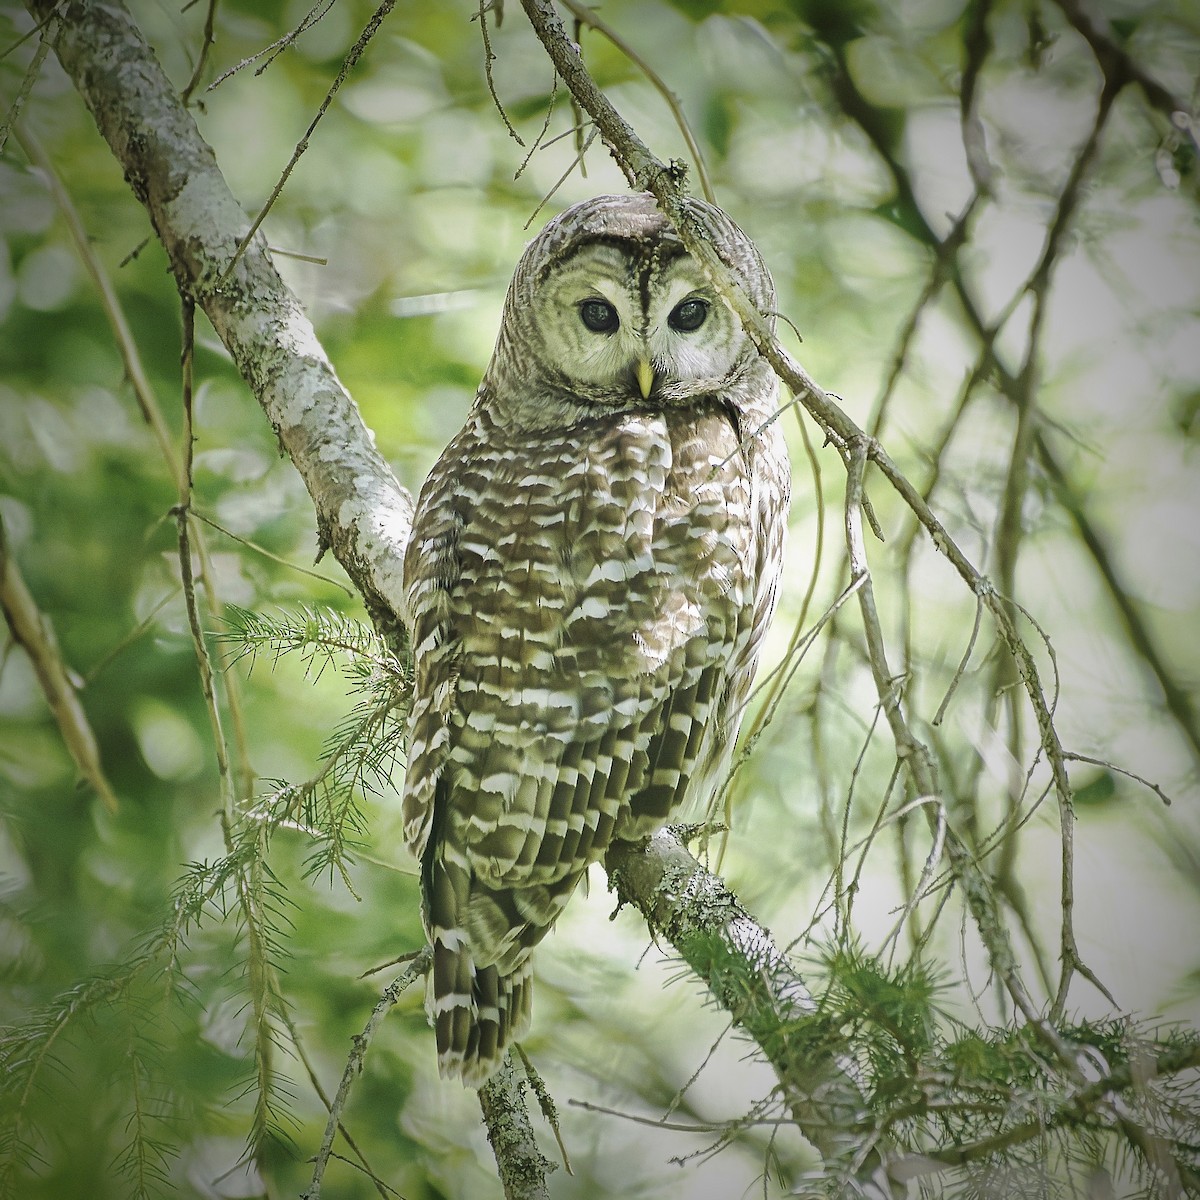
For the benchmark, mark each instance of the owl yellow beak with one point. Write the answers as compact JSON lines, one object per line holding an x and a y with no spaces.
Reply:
{"x":645,"y":378}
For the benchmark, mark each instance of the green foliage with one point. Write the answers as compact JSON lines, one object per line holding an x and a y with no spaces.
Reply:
{"x":180,"y":976}
{"x":149,"y":1006}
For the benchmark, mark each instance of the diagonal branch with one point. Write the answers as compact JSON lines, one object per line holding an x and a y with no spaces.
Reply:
{"x":32,"y":632}
{"x":363,"y":515}
{"x":645,"y":171}
{"x":752,"y":980}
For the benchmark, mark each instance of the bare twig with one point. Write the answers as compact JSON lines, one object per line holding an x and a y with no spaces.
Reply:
{"x":206,"y":43}
{"x":488,"y":59}
{"x":355,"y":53}
{"x":28,"y":80}
{"x":315,"y":1082}
{"x":588,"y":16}
{"x":36,"y":31}
{"x":277,"y":47}
{"x":354,"y":1062}
{"x":181,"y":512}
{"x":575,"y":162}
{"x":275,"y":558}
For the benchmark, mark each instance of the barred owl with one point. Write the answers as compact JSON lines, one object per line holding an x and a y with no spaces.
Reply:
{"x":593,"y":563}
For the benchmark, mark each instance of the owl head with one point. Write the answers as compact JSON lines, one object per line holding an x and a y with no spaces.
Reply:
{"x":607,"y":310}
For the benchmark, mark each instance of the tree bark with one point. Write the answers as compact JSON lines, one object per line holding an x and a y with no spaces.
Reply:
{"x":363,"y":514}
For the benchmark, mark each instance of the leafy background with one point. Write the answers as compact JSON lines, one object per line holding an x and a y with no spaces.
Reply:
{"x":408,"y":193}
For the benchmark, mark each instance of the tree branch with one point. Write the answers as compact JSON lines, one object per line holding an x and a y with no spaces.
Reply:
{"x":753,"y":981}
{"x":31,"y":631}
{"x":363,"y":515}
{"x":647,"y":172}
{"x":521,"y":1165}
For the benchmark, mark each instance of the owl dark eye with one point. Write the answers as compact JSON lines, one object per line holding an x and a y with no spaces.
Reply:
{"x":599,"y":316}
{"x":688,"y":315}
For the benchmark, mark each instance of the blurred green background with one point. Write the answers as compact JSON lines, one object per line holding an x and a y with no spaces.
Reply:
{"x":408,"y":193}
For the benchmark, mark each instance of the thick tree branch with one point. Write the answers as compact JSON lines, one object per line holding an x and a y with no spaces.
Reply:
{"x":522,"y":1167}
{"x":363,"y":515}
{"x":753,"y":981}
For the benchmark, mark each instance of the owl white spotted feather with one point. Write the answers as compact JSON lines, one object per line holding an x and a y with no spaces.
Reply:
{"x":593,"y":564}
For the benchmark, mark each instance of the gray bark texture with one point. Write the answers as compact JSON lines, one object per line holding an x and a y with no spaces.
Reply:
{"x":363,"y":515}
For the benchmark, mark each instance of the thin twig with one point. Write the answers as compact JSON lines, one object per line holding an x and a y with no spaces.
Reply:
{"x":206,"y":43}
{"x":32,"y":33}
{"x":931,"y":861}
{"x":277,"y":47}
{"x":315,"y":1082}
{"x":28,"y":80}
{"x":283,"y":562}
{"x":538,"y":141}
{"x":939,"y":716}
{"x":1108,"y":766}
{"x":488,"y":59}
{"x":354,"y":1062}
{"x":587,"y":16}
{"x":139,"y":630}
{"x":356,"y":52}
{"x":148,"y":406}
{"x":781,"y":675}
{"x":576,"y":161}
{"x":32,"y":632}
{"x":181,"y":512}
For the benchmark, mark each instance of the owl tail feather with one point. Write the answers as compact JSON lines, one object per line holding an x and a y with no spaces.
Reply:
{"x":477,"y":1011}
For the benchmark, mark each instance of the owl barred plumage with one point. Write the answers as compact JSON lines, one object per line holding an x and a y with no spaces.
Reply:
{"x":593,"y":564}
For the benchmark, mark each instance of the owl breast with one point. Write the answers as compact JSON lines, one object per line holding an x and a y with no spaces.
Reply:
{"x":595,"y":579}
